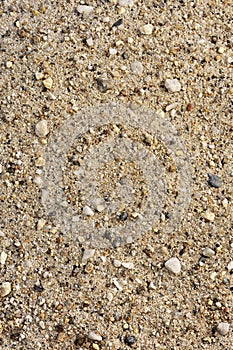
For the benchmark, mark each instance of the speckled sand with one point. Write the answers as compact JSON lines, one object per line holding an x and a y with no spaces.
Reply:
{"x":165,"y":289}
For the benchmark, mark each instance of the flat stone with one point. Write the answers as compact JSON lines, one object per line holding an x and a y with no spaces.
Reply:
{"x":3,"y":258}
{"x":94,"y":336}
{"x":85,"y":9}
{"x":48,"y":83}
{"x":128,"y":265}
{"x":214,"y":181}
{"x":172,"y":85}
{"x":41,"y":128}
{"x":88,"y":211}
{"x":39,"y":75}
{"x":208,"y":252}
{"x":173,"y":265}
{"x":147,"y":29}
{"x":5,"y":289}
{"x":223,"y":328}
{"x":208,"y":216}
{"x":136,"y":67}
{"x":125,"y":3}
{"x":88,"y":254}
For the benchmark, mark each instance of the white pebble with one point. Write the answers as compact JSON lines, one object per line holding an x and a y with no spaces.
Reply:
{"x":117,"y":284}
{"x":39,"y":75}
{"x":41,"y":129}
{"x":152,"y":286}
{"x":126,"y":2}
{"x":112,"y":51}
{"x":87,"y":254}
{"x":208,"y":252}
{"x":3,"y":258}
{"x":94,"y":336}
{"x":128,"y":265}
{"x":230,"y":266}
{"x":223,"y":328}
{"x":173,"y":85}
{"x":1,"y":168}
{"x":146,"y":29}
{"x":117,"y":263}
{"x":85,"y":9}
{"x":5,"y":289}
{"x":173,"y":265}
{"x":90,"y":42}
{"x":136,"y":67}
{"x":88,"y":211}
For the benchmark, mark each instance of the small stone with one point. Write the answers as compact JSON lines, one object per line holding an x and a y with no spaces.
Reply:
{"x":221,"y":50}
{"x":40,"y":162}
{"x":117,"y":263}
{"x":1,"y":168}
{"x":38,"y":181}
{"x":209,"y":216}
{"x":117,"y":284}
{"x":88,"y":211}
{"x":112,"y":51}
{"x":40,"y":224}
{"x":87,"y":254}
{"x":128,"y":265}
{"x":223,"y":328}
{"x":230,"y":266}
{"x":100,"y":208}
{"x":104,"y":84}
{"x":41,"y":129}
{"x":152,"y":286}
{"x":208,"y":252}
{"x":5,"y":289}
{"x":95,"y":346}
{"x":214,"y":181}
{"x":85,"y":9}
{"x":39,"y":75}
{"x":173,"y":265}
{"x":125,"y":2}
{"x":147,"y":29}
{"x":48,"y":83}
{"x":172,"y":85}
{"x":136,"y":67}
{"x":130,"y":340}
{"x":3,"y":258}
{"x":94,"y":336}
{"x":90,"y":42}
{"x":9,"y":64}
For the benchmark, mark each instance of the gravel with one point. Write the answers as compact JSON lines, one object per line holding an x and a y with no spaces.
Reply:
{"x":60,"y":60}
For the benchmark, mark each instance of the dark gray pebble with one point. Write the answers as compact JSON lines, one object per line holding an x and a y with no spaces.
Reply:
{"x":214,"y":181}
{"x":130,"y":340}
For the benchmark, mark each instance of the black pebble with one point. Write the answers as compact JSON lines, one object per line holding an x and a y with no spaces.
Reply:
{"x":123,"y":216}
{"x":38,"y":288}
{"x":130,"y":340}
{"x":214,"y":181}
{"x":117,"y":23}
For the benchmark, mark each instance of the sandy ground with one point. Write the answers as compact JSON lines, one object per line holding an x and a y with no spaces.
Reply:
{"x":61,"y":62}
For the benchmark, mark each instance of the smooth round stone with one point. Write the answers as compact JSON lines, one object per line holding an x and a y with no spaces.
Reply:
{"x":223,"y":328}
{"x":41,"y":129}
{"x":208,"y":252}
{"x":173,"y":265}
{"x":88,"y":211}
